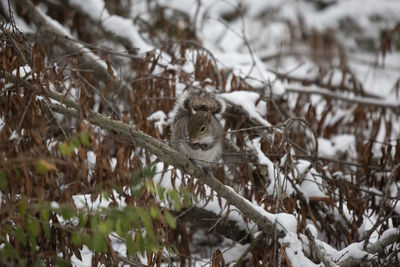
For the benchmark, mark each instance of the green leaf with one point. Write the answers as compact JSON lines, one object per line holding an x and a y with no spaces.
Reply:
{"x":65,"y":149}
{"x":3,"y":180}
{"x":41,"y":168}
{"x":44,"y":166}
{"x":45,"y":214}
{"x":9,"y":251}
{"x":146,"y":219}
{"x":160,"y":192}
{"x":155,"y":213}
{"x":119,"y":228}
{"x":84,"y":137}
{"x":94,"y":222}
{"x":131,"y":216}
{"x":33,"y":226}
{"x":149,"y":171}
{"x":176,"y":198}
{"x":67,"y":212}
{"x":20,"y":235}
{"x":150,"y":187}
{"x":137,"y":184}
{"x":187,"y":201}
{"x":106,"y":195}
{"x":61,"y":262}
{"x":136,"y":179}
{"x":32,"y":242}
{"x":74,"y":143}
{"x":99,"y":242}
{"x":187,"y":197}
{"x":22,"y":206}
{"x":76,"y":238}
{"x":170,"y":219}
{"x":38,"y":263}
{"x":137,"y":191}
{"x":140,"y":244}
{"x":83,"y":218}
{"x":106,"y":227}
{"x":87,"y":240}
{"x":151,"y":244}
{"x":46,"y":230}
{"x":130,"y":246}
{"x":151,"y":239}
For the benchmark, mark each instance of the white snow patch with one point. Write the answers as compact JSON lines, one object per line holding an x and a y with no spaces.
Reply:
{"x":247,"y":101}
{"x":160,"y":120}
{"x":294,"y":250}
{"x":125,"y":28}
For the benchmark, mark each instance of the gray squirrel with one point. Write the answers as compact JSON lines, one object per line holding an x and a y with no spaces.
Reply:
{"x":195,"y":130}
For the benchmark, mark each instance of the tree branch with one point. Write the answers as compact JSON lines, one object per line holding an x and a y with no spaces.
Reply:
{"x":369,"y":101}
{"x":319,"y":250}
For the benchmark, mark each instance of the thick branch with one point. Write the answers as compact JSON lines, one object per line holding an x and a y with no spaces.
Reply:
{"x":383,"y":242}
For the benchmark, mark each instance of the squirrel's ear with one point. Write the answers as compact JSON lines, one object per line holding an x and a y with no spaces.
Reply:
{"x":208,"y":115}
{"x":186,"y":105}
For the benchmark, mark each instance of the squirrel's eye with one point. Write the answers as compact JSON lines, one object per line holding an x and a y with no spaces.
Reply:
{"x":202,"y":129}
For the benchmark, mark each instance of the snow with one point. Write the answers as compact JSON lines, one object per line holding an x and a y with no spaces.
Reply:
{"x":95,"y":8}
{"x":336,"y":146}
{"x":232,"y":254}
{"x":294,"y":250}
{"x":118,"y":25}
{"x":86,"y":261}
{"x":310,"y":186}
{"x":285,"y":222}
{"x":83,"y":201}
{"x":246,"y":100}
{"x":23,"y":71}
{"x":354,"y":250}
{"x":359,"y":10}
{"x":125,"y":27}
{"x":159,"y":119}
{"x":278,"y":181}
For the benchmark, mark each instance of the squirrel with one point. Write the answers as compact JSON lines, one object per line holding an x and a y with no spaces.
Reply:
{"x":195,"y":130}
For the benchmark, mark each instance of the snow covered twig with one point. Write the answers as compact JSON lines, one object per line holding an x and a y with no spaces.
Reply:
{"x":319,"y":250}
{"x":113,"y":26}
{"x":350,"y":99}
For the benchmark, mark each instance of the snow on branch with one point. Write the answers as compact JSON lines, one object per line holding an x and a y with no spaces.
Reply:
{"x":394,"y":105}
{"x":115,"y":26}
{"x":88,"y":59}
{"x":319,"y":250}
{"x":353,"y":254}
